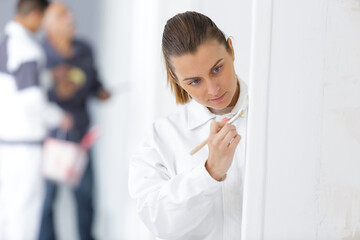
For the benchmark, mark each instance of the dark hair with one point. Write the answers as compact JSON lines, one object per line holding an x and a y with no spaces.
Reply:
{"x":184,"y":33}
{"x":24,"y":7}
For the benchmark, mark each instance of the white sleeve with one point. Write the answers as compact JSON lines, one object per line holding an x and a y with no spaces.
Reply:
{"x":32,"y":96}
{"x":166,"y":203}
{"x":52,"y":114}
{"x":36,"y":104}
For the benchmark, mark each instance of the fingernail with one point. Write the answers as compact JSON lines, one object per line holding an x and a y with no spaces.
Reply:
{"x":225,"y":119}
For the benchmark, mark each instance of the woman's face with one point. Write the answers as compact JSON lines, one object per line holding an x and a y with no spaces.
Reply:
{"x":208,"y":75}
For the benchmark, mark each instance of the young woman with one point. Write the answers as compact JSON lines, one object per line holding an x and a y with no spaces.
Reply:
{"x":183,"y":196}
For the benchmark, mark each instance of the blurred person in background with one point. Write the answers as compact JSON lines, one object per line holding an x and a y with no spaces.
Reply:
{"x":75,"y":80}
{"x":26,"y":115}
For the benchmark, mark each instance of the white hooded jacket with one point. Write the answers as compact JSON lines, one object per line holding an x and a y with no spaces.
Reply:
{"x":25,"y":112}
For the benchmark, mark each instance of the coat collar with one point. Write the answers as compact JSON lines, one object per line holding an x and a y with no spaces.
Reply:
{"x":15,"y":28}
{"x":198,"y":114}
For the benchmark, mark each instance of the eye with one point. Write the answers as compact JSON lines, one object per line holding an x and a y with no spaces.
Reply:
{"x":195,"y":82}
{"x":217,"y":69}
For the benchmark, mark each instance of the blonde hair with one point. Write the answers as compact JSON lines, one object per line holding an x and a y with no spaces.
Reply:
{"x":181,"y":96}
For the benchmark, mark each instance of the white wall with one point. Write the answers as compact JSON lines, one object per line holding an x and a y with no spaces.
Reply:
{"x":339,"y":195}
{"x":7,"y":10}
{"x":309,"y":132}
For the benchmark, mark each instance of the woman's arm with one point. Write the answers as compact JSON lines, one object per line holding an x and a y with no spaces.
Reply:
{"x":170,"y":206}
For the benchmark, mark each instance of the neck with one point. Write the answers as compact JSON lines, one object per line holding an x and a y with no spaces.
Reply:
{"x":221,"y":111}
{"x":62,"y":45}
{"x":24,"y":23}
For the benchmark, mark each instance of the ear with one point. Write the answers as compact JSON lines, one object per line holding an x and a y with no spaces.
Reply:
{"x":35,"y":16}
{"x":229,"y":43}
{"x":35,"y":13}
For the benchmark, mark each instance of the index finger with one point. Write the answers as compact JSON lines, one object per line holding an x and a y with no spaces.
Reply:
{"x":215,"y":127}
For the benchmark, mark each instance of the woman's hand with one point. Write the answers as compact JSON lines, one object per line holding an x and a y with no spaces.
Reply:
{"x":222,"y":143}
{"x":64,"y":87}
{"x":102,"y":94}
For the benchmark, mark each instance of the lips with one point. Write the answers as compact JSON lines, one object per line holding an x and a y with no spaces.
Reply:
{"x":219,"y":99}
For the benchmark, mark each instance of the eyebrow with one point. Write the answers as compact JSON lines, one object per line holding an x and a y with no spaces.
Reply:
{"x":217,"y":62}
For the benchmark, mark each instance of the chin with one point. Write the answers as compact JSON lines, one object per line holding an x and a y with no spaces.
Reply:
{"x":220,"y":106}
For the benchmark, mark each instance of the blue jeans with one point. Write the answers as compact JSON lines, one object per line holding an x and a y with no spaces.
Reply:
{"x":84,"y":203}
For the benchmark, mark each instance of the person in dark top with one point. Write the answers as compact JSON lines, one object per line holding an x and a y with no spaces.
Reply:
{"x":75,"y":80}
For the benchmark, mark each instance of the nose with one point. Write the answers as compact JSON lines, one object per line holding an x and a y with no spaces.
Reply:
{"x":212,"y":87}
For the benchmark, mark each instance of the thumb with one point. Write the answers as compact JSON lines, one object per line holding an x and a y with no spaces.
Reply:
{"x":223,"y":122}
{"x":225,"y":119}
{"x":215,"y":127}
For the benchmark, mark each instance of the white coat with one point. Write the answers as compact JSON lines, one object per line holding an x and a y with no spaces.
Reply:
{"x":25,"y":116}
{"x":176,"y":196}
